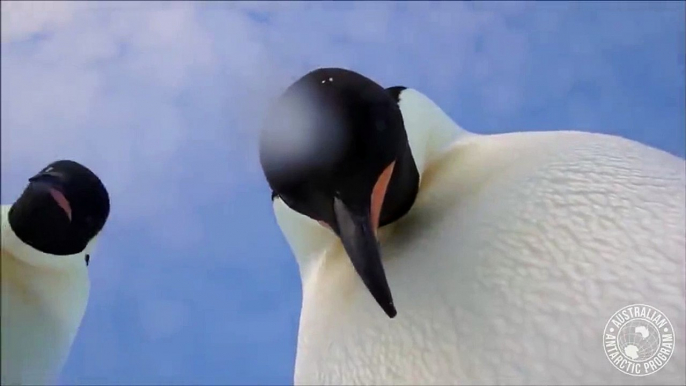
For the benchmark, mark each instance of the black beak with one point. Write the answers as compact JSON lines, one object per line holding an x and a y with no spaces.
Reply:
{"x":356,"y":233}
{"x":51,"y":184}
{"x":51,"y":179}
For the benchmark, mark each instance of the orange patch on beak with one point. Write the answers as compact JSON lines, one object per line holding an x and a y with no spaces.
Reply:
{"x":379,"y":193}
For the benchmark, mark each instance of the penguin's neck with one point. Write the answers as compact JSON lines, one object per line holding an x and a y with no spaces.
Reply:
{"x":429,"y":130}
{"x":14,"y":246}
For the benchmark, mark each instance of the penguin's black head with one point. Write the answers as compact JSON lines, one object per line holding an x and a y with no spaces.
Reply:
{"x":63,"y":207}
{"x":334,"y":148}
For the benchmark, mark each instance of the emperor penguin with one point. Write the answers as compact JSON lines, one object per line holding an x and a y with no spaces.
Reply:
{"x":430,"y":255}
{"x":48,"y":236}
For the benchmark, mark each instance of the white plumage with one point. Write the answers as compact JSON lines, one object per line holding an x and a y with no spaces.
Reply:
{"x":517,"y":251}
{"x":44,"y":298}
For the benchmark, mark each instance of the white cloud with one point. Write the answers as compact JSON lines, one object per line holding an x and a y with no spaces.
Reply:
{"x":21,"y":19}
{"x":102,"y":90}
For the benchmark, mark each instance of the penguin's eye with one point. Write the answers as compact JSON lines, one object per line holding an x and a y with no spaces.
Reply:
{"x":311,"y":203}
{"x":289,"y":200}
{"x":296,"y":202}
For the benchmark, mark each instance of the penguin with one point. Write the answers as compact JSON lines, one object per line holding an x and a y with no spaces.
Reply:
{"x":48,"y":237}
{"x":430,"y":255}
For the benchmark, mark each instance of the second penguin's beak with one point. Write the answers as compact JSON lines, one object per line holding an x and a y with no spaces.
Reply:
{"x":50,"y":183}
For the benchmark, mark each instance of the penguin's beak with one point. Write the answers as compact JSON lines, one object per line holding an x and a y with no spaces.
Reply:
{"x":356,"y":231}
{"x":50,"y":183}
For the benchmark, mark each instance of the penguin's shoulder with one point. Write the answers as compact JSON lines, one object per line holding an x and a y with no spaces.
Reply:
{"x":567,"y":169}
{"x":472,"y":161}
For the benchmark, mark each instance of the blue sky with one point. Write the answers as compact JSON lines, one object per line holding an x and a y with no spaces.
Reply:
{"x":192,"y":281}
